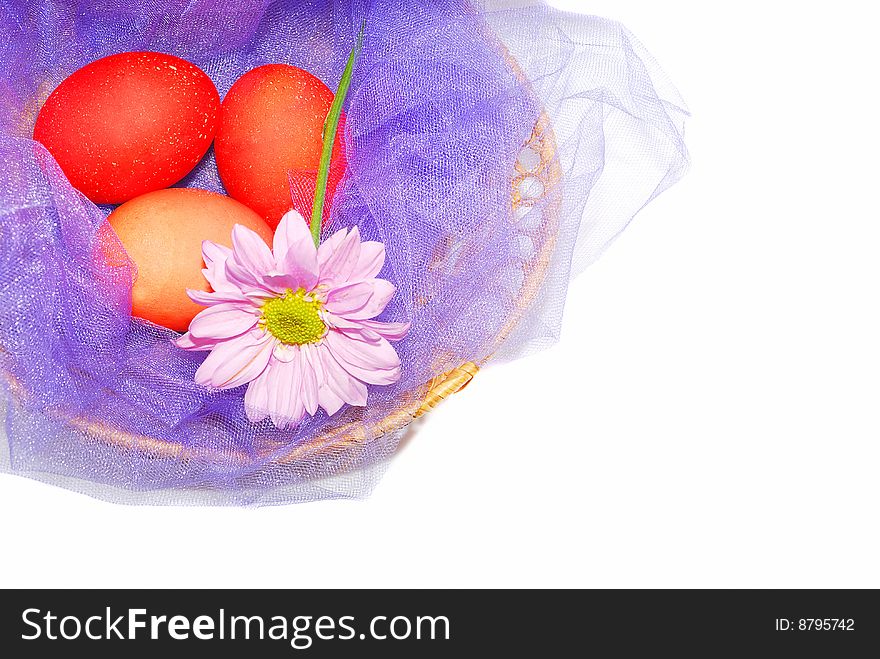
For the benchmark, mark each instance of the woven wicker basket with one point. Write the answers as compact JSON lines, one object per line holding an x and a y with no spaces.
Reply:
{"x":534,"y":179}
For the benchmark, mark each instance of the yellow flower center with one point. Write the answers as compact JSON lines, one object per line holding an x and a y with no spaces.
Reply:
{"x":294,"y":318}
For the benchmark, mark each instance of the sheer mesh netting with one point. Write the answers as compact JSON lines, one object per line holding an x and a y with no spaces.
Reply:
{"x":495,"y":150}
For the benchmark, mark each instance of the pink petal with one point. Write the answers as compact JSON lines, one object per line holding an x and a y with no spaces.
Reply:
{"x":237,"y":361}
{"x":353,"y":328}
{"x":256,"y":398}
{"x":250,"y":252}
{"x":285,"y":400}
{"x":368,"y":330}
{"x":343,"y":259}
{"x":208,"y":299}
{"x":373,"y":363}
{"x":275,"y":393}
{"x":365,"y":355}
{"x":361,"y":300}
{"x":296,"y":259}
{"x":340,"y":322}
{"x":188,"y":342}
{"x":362,"y":334}
{"x":214,"y":253}
{"x":329,"y":400}
{"x":309,"y":380}
{"x":337,"y":379}
{"x":370,"y":261}
{"x":215,"y":257}
{"x":295,"y":275}
{"x":390,"y":331}
{"x":292,"y":232}
{"x":349,"y":298}
{"x":296,"y":409}
{"x":329,"y":246}
{"x":245,"y":280}
{"x":222,"y":321}
{"x":314,"y":359}
{"x":250,"y":285}
{"x":285,"y":353}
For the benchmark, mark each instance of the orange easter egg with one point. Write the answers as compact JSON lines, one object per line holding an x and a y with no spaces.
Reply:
{"x":162,"y":233}
{"x":130,"y":123}
{"x":270,"y":129}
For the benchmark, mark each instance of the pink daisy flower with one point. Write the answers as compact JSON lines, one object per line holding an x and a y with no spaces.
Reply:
{"x":294,"y":322}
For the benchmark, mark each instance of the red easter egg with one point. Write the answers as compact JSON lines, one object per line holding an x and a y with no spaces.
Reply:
{"x":162,"y":233}
{"x":130,"y":123}
{"x":270,"y":131}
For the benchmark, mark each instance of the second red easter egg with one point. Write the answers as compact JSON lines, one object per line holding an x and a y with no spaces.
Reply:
{"x":270,"y":130}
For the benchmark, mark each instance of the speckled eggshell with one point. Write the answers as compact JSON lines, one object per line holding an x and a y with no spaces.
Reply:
{"x":270,"y":124}
{"x":129,"y":124}
{"x":162,"y":233}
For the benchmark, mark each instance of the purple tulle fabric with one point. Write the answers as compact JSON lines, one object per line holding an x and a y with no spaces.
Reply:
{"x":482,"y":235}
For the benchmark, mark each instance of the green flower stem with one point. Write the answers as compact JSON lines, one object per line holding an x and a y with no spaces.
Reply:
{"x":331,"y":124}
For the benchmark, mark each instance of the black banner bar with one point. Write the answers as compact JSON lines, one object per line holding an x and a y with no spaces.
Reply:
{"x":289,"y":623}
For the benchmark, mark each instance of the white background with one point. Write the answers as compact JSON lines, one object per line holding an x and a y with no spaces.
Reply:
{"x":708,"y":419}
